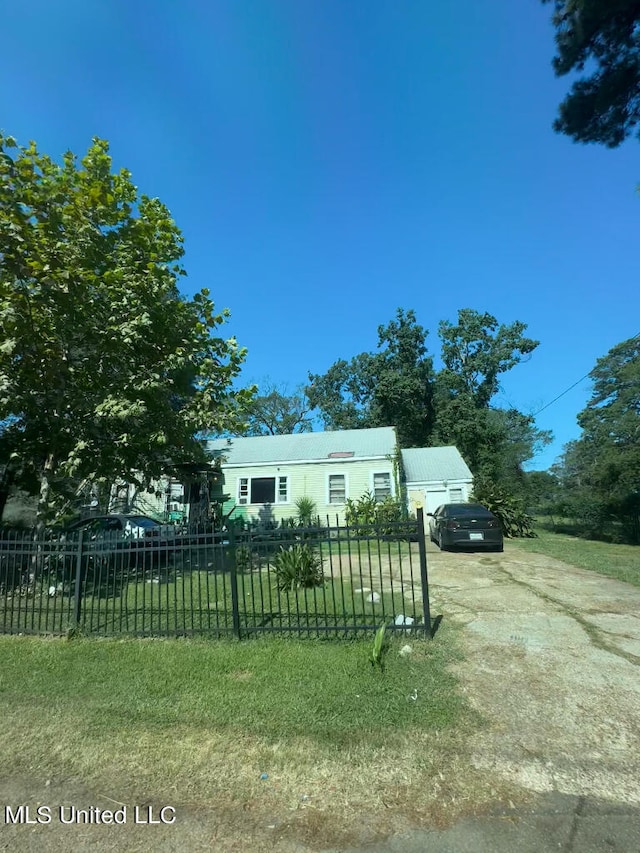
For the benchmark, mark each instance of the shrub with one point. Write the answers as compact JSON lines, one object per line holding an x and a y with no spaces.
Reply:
{"x":297,"y":567}
{"x":367,"y":515}
{"x":307,"y":511}
{"x":247,"y":559}
{"x":509,"y":510}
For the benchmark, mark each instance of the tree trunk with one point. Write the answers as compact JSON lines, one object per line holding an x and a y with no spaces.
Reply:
{"x":45,"y":489}
{"x":6,"y":481}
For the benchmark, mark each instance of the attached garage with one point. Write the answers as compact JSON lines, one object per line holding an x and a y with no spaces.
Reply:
{"x":435,"y":476}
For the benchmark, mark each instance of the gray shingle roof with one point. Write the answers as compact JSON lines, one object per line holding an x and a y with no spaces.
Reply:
{"x":251,"y":450}
{"x":427,"y":464}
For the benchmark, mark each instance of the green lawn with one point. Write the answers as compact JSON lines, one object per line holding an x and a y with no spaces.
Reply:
{"x":616,"y":561}
{"x":188,"y":602}
{"x":205,"y":719}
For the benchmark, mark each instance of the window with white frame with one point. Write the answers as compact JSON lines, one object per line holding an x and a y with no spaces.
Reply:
{"x":263,"y":490}
{"x":455,"y":495}
{"x":382,"y":485}
{"x":337,"y":488}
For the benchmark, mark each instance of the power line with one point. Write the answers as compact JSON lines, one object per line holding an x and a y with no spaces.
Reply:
{"x":555,"y":399}
{"x":571,"y":387}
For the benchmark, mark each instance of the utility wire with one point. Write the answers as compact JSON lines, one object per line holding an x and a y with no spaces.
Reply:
{"x":571,"y":387}
{"x":555,"y":399}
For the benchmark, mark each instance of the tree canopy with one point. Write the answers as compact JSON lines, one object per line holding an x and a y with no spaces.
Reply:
{"x":105,"y":368}
{"x":398,"y":386}
{"x":273,"y":411}
{"x":604,"y":36}
{"x":600,"y":471}
{"x":608,"y":451}
{"x":391,"y":387}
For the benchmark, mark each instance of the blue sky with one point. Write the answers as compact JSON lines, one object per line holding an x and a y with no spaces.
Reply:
{"x":330,"y":161}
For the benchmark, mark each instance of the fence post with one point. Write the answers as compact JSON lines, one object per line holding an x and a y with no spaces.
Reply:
{"x":77,"y":599}
{"x":422,"y":550}
{"x":235,"y":610}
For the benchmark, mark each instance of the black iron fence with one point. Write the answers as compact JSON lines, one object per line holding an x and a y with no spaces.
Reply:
{"x":316,"y":580}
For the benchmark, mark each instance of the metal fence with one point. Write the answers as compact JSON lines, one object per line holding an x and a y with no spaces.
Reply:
{"x":312,"y":581}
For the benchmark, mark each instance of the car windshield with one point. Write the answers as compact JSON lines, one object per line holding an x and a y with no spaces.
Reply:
{"x":467,"y":509}
{"x":141,"y":521}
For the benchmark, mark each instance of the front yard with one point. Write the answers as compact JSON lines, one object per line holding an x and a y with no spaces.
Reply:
{"x":364,"y":583}
{"x":293,"y":727}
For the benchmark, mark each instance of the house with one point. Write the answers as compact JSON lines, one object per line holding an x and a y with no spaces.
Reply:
{"x":261,"y":477}
{"x":264,"y":476}
{"x":435,"y":475}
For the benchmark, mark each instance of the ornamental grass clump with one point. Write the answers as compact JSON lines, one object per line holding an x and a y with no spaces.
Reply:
{"x":298,"y":567}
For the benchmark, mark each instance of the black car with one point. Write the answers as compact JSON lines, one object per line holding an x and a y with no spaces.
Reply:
{"x":139,"y":541}
{"x":124,"y":540}
{"x":465,"y":525}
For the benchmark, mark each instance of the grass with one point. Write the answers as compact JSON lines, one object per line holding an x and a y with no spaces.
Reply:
{"x":621,"y":562}
{"x":201,"y":722}
{"x":200,"y":602}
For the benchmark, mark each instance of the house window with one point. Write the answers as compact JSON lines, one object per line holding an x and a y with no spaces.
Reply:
{"x":455,"y":495}
{"x":337,"y":488}
{"x":382,"y":485}
{"x":263,"y":490}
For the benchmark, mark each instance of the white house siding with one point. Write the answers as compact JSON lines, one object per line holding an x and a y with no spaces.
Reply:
{"x":306,"y":479}
{"x":434,"y":476}
{"x":431,"y":495}
{"x":152,"y":503}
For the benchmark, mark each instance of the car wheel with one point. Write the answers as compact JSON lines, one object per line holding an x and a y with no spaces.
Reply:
{"x":441,"y":544}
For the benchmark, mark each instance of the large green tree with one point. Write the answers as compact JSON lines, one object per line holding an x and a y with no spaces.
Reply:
{"x":106,"y":371}
{"x":600,"y":471}
{"x":397,"y":386}
{"x":611,"y":422}
{"x":390,"y":387}
{"x":476,"y":352}
{"x":275,"y":411}
{"x":603,"y":36}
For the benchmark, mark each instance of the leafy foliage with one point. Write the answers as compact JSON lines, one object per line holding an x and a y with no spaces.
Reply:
{"x":509,"y":510}
{"x":391,"y":387}
{"x":274,"y":412}
{"x":599,"y":474}
{"x":105,"y":369}
{"x":603,"y":107}
{"x":379,"y":647}
{"x":398,"y":387}
{"x":298,"y":567}
{"x":477,"y":350}
{"x":367,"y":515}
{"x":307,"y":511}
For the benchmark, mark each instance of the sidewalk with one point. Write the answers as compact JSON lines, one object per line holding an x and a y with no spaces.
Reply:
{"x":555,"y":823}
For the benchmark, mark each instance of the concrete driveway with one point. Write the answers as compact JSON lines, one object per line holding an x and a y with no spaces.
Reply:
{"x":553,"y":656}
{"x":552,"y":664}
